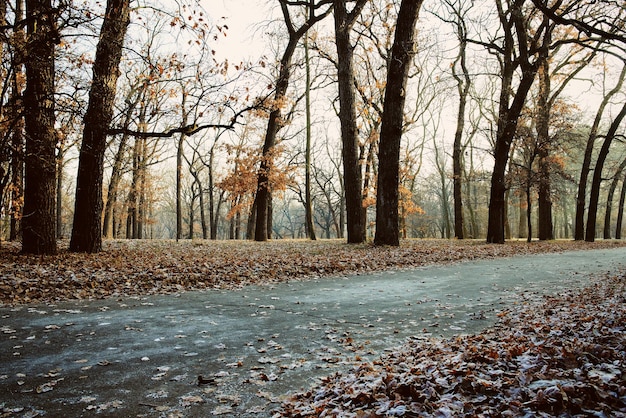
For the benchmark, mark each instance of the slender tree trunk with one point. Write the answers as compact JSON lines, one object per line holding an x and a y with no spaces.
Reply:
{"x":594,"y":196}
{"x":59,"y":190}
{"x":38,"y":223}
{"x":609,"y":200}
{"x":522,"y":227}
{"x":108,"y":224}
{"x":402,"y":53}
{"x":308,"y":200}
{"x":179,"y":171}
{"x":579,"y":228}
{"x":17,"y":136}
{"x":463,"y":87}
{"x":263,"y":195}
{"x":87,"y":229}
{"x":620,"y":211}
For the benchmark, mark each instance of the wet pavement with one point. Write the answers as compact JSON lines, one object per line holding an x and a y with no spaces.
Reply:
{"x":238,"y":353}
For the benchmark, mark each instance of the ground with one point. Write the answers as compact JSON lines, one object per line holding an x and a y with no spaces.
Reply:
{"x":146,"y":267}
{"x":557,"y":355}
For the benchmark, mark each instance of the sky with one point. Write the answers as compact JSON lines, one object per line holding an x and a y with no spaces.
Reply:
{"x":241,"y":17}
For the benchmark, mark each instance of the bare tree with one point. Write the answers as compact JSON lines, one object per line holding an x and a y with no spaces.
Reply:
{"x":87,"y":230}
{"x":387,"y":226}
{"x":315,"y":11}
{"x":344,"y":21}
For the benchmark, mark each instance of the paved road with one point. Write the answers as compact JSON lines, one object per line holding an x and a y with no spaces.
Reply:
{"x":142,"y":356}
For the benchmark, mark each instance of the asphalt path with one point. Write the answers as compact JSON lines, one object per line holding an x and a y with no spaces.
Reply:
{"x":239,"y":353}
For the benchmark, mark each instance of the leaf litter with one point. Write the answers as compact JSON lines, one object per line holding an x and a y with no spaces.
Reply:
{"x":564,"y":357}
{"x":517,"y":365}
{"x":149,"y":267}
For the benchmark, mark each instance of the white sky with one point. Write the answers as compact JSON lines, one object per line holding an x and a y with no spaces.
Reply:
{"x":240,"y":16}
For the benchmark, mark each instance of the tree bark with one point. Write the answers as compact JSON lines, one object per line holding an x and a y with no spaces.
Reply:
{"x":594,"y":196}
{"x":544,"y":203}
{"x":620,"y":211}
{"x":179,"y":167}
{"x":609,"y":200}
{"x":17,"y":136}
{"x":87,"y":230}
{"x":352,"y":175}
{"x":581,"y":199}
{"x":308,"y":200}
{"x":463,"y":88}
{"x":508,"y":115}
{"x":402,"y":52}
{"x":38,"y":223}
{"x":263,"y":195}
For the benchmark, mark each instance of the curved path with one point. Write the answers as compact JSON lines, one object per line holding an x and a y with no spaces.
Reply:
{"x":143,"y":356}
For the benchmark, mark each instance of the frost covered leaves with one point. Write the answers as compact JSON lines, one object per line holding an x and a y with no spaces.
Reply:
{"x":564,"y":358}
{"x":134,"y":268}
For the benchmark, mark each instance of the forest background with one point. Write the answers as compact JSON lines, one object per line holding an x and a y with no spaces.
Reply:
{"x":208,"y":127}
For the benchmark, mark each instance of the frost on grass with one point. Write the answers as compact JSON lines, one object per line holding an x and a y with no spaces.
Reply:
{"x":564,"y":358}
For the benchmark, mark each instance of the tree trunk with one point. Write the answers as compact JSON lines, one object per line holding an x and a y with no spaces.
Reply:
{"x":579,"y":228}
{"x":179,"y":170}
{"x":542,"y":125}
{"x":620,"y":211}
{"x":59,"y":190}
{"x":463,"y":87}
{"x":38,"y":223}
{"x":108,"y":224}
{"x":308,"y":200}
{"x":347,"y":118}
{"x":508,"y":116}
{"x":594,"y":196}
{"x":275,"y":121}
{"x":402,"y":52}
{"x":87,"y":229}
{"x":609,"y":200}
{"x":17,"y":136}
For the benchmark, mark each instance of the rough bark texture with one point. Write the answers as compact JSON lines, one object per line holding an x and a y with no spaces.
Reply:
{"x":403,"y":49}
{"x":347,"y":117}
{"x":38,"y":223}
{"x":87,"y":229}
{"x":546,"y":228}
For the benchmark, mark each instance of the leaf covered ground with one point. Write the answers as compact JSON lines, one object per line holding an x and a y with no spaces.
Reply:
{"x":565,"y":358}
{"x":147,"y":267}
{"x":563,"y":355}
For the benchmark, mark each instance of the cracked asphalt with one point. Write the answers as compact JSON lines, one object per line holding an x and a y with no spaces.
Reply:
{"x":239,"y":353}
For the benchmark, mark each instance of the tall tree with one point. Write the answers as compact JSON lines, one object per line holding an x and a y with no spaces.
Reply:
{"x":387,"y":197}
{"x":609,"y":200}
{"x":308,"y":200}
{"x":594,"y":195}
{"x":87,"y":229}
{"x":38,"y":223}
{"x":581,"y":196}
{"x":344,"y":21}
{"x":315,"y":11}
{"x":460,"y":73}
{"x":520,"y":50}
